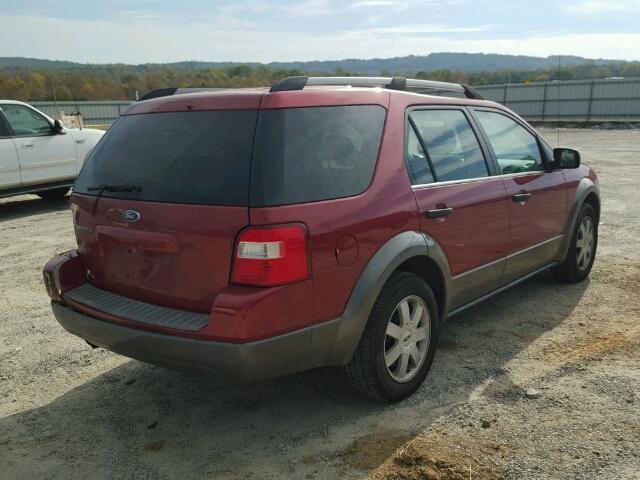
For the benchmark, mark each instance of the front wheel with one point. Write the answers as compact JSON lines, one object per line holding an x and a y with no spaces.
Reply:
{"x":582,"y":249}
{"x":398,"y":345}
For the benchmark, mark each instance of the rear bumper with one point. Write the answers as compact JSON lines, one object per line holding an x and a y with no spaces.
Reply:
{"x":144,"y":330}
{"x":244,"y":362}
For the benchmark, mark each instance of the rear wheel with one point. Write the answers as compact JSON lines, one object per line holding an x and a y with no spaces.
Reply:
{"x":397,"y":347}
{"x":53,"y":193}
{"x":582,"y":249}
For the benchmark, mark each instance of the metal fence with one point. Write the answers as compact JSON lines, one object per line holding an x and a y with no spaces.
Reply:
{"x":93,"y":113}
{"x":575,"y":100}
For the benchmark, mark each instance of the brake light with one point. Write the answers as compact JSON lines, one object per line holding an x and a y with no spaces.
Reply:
{"x":50,"y":284}
{"x":269,"y":256}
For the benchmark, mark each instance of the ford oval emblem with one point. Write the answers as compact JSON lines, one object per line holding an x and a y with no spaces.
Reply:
{"x":131,"y":215}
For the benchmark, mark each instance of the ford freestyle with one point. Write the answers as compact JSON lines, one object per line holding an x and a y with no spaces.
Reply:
{"x":324,"y":222}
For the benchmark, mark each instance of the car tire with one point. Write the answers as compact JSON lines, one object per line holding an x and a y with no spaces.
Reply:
{"x":53,"y":193}
{"x":369,"y":370}
{"x":582,"y":249}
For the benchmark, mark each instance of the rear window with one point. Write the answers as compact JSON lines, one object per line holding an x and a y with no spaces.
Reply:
{"x":299,"y":155}
{"x":314,"y":153}
{"x":182,"y":157}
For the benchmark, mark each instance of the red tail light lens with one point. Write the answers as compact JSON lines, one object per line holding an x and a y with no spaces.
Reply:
{"x":269,"y":256}
{"x":50,"y":284}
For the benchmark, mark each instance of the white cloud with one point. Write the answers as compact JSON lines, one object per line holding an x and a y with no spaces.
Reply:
{"x":379,"y":3}
{"x":309,"y":7}
{"x":420,"y":30}
{"x":402,"y":4}
{"x":216,"y":39}
{"x":244,"y":9}
{"x":591,"y":7}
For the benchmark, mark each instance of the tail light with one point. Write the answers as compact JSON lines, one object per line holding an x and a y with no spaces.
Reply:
{"x":62,"y":273}
{"x":50,"y":284}
{"x":269,"y":256}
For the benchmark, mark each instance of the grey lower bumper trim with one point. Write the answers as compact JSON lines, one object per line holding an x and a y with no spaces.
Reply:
{"x":245,"y":362}
{"x":135,"y":310}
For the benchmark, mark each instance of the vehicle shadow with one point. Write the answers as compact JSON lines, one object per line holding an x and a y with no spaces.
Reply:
{"x":170,"y":425}
{"x":27,"y":205}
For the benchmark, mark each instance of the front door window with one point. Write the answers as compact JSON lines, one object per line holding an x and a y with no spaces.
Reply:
{"x":25,"y":122}
{"x":515,"y":148}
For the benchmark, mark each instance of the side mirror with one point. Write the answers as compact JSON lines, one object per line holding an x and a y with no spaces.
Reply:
{"x":566,"y":158}
{"x":57,"y":128}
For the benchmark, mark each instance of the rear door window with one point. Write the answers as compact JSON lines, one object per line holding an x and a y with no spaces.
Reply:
{"x":417,"y":163}
{"x":178,"y":157}
{"x":314,"y":153}
{"x":451,"y":144}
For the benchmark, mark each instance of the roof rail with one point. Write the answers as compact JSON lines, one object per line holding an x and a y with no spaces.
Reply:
{"x":393,"y":83}
{"x":166,"y":92}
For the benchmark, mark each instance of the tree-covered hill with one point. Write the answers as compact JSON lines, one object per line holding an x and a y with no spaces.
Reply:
{"x":463,"y":62}
{"x":35,"y":79}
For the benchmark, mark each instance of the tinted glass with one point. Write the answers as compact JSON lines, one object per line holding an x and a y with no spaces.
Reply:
{"x":4,"y":130}
{"x":515,"y":147}
{"x":24,"y":121}
{"x":316,"y":153}
{"x":451,"y":144}
{"x":419,"y":168}
{"x":183,"y":157}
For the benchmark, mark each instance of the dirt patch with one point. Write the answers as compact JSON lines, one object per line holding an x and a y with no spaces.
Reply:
{"x":154,"y":446}
{"x":503,"y":390}
{"x":369,"y":451}
{"x":450,"y":345}
{"x":440,"y":457}
{"x":392,"y":454}
{"x":310,"y":460}
{"x":595,"y":347}
{"x":625,"y":277}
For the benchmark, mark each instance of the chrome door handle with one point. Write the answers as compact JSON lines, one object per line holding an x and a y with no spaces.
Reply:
{"x":521,"y":197}
{"x":439,"y":212}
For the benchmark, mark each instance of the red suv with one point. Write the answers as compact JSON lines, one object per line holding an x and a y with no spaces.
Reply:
{"x":323,"y":222}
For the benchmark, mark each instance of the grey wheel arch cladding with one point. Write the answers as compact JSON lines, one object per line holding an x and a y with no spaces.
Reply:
{"x":384,"y":262}
{"x":585,"y":187}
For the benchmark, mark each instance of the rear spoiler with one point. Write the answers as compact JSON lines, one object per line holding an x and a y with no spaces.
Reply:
{"x":167,"y":92}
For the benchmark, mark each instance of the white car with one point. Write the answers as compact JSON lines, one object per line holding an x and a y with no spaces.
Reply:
{"x":37,"y":154}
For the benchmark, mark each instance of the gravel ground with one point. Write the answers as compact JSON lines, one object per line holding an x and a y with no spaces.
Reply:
{"x":542,"y":381}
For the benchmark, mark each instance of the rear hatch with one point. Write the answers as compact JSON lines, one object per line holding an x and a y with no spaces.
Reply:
{"x":162,"y":198}
{"x":158,"y":205}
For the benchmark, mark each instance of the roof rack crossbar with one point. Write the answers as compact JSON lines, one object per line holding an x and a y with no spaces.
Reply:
{"x":394,"y":83}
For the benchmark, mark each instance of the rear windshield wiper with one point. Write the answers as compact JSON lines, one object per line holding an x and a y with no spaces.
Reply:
{"x":125,"y":187}
{"x":105,"y":187}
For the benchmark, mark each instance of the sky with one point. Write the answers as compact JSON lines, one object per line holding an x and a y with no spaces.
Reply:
{"x":146,"y":31}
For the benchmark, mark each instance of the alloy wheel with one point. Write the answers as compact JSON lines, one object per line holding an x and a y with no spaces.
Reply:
{"x":407,"y":338}
{"x":585,"y":243}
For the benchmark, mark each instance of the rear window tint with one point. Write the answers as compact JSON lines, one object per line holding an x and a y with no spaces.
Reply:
{"x":314,"y":153}
{"x":181,"y":157}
